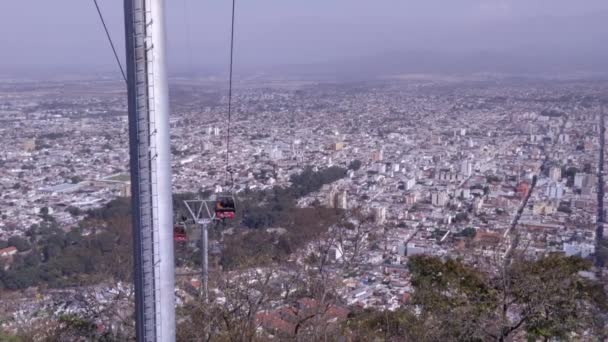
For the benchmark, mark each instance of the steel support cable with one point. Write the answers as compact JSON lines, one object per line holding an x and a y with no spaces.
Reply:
{"x":228,"y":170}
{"x":105,"y":27}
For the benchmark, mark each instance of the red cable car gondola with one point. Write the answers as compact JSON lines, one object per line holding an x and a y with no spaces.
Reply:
{"x":225,"y":207}
{"x":179,"y":234}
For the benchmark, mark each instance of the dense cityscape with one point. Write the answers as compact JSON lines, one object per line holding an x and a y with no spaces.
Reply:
{"x":478,"y":169}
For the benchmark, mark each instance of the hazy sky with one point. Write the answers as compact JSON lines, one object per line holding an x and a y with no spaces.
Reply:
{"x":49,"y":33}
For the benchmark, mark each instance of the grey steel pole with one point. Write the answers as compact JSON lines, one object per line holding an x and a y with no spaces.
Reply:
{"x":166,"y":260}
{"x":150,"y":161}
{"x":134,"y":147}
{"x":205,"y":259}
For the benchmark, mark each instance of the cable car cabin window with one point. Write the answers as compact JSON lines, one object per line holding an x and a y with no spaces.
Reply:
{"x":225,"y":207}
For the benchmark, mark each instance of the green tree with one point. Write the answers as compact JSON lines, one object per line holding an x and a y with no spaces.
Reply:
{"x":75,"y":328}
{"x":20,"y":279}
{"x":20,"y":243}
{"x":118,"y":207}
{"x":71,"y":264}
{"x":399,"y":325}
{"x":51,"y":251}
{"x":5,"y":337}
{"x":73,"y":237}
{"x":547,"y":299}
{"x":554,"y":299}
{"x":469,"y":232}
{"x":493,"y":179}
{"x":74,"y":211}
{"x":548,"y":296}
{"x":106,"y":242}
{"x":354,"y":165}
{"x":32,"y":259}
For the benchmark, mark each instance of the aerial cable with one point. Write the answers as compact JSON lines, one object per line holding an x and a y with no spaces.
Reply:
{"x":228,"y":170}
{"x":105,"y":27}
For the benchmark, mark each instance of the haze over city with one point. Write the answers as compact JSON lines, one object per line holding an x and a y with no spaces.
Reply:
{"x":321,"y":170}
{"x":329,"y":37}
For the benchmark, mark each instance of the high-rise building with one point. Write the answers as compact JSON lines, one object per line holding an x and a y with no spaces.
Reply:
{"x":381,"y":168}
{"x":401,"y":249}
{"x":331,"y":199}
{"x":410,"y":183}
{"x":555,"y":191}
{"x":295,"y":148}
{"x":380,"y":215}
{"x":29,"y":145}
{"x":580,"y":180}
{"x":337,"y":199}
{"x":439,"y":198}
{"x":555,"y":173}
{"x":378,"y":155}
{"x":412,"y":249}
{"x":341,"y":200}
{"x":581,"y":249}
{"x":462,"y":193}
{"x":466,"y":168}
{"x":275,"y":153}
{"x":411,"y":198}
{"x":523,"y":188}
{"x":125,"y":189}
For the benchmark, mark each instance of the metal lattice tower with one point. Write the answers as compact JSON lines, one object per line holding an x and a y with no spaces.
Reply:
{"x":154,"y":275}
{"x":202,"y":216}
